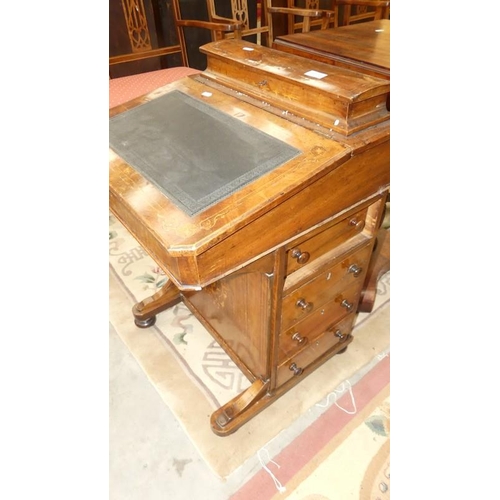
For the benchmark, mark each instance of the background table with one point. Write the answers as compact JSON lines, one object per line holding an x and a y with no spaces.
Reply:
{"x":363,"y":47}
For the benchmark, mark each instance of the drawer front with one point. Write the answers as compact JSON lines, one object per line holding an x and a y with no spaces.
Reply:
{"x":303,"y":333}
{"x":322,"y":288}
{"x":293,"y":366}
{"x":304,"y":250}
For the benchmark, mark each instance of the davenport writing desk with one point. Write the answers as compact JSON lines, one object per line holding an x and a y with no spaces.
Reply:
{"x":258,"y":187}
{"x":363,"y":47}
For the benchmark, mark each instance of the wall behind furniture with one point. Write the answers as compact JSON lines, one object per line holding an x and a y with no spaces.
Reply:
{"x":143,"y":37}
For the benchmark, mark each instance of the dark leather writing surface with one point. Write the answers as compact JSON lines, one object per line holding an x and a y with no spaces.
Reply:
{"x":195,"y":154}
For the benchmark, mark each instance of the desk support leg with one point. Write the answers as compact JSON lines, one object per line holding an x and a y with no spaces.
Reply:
{"x":239,"y":410}
{"x":145,"y":311}
{"x":380,"y":263}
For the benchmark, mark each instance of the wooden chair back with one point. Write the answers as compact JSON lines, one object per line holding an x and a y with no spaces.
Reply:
{"x":296,"y":22}
{"x":215,"y":30}
{"x":301,"y":19}
{"x":355,"y":11}
{"x":138,"y":41}
{"x":250,"y":14}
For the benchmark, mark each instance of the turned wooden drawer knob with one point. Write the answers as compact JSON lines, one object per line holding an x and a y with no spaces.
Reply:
{"x":298,"y":337}
{"x":302,"y":257}
{"x":303,"y":304}
{"x":355,"y":270}
{"x":295,"y":369}
{"x":339,"y":334}
{"x":347,"y":305}
{"x":358,"y":224}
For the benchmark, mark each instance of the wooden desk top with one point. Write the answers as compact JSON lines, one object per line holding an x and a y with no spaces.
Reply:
{"x":362,"y":47}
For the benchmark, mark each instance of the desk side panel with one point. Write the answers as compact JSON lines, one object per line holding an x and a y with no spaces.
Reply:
{"x":240,"y":325}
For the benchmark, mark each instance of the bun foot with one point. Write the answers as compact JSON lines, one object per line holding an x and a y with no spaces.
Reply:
{"x":145,"y":323}
{"x":342,"y":350}
{"x":145,"y":312}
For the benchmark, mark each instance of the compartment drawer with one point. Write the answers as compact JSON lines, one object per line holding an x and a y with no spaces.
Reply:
{"x":323,"y":287}
{"x":304,"y":332}
{"x":307,"y":249}
{"x":294,"y":365}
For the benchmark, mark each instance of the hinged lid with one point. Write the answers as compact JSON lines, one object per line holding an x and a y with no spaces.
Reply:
{"x":336,"y":98}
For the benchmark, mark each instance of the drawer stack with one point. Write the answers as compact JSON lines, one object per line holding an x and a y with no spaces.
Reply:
{"x":324,"y":277}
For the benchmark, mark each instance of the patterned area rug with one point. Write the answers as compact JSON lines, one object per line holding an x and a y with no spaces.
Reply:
{"x":344,"y":454}
{"x":194,"y":376}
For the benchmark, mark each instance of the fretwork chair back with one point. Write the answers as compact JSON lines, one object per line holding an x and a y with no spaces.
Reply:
{"x":251,"y":14}
{"x":357,"y":11}
{"x":299,"y":23}
{"x":302,"y":19}
{"x":206,"y":31}
{"x":137,"y":60}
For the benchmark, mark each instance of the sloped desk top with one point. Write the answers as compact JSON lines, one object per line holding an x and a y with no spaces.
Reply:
{"x":290,"y":199}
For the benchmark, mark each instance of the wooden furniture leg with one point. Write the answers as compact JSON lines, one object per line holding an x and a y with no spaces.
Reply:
{"x":239,"y":410}
{"x":379,"y":265}
{"x":145,"y":311}
{"x":232,"y":416}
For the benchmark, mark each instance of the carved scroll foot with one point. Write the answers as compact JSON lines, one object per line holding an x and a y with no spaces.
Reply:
{"x":239,"y":410}
{"x":145,"y":311}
